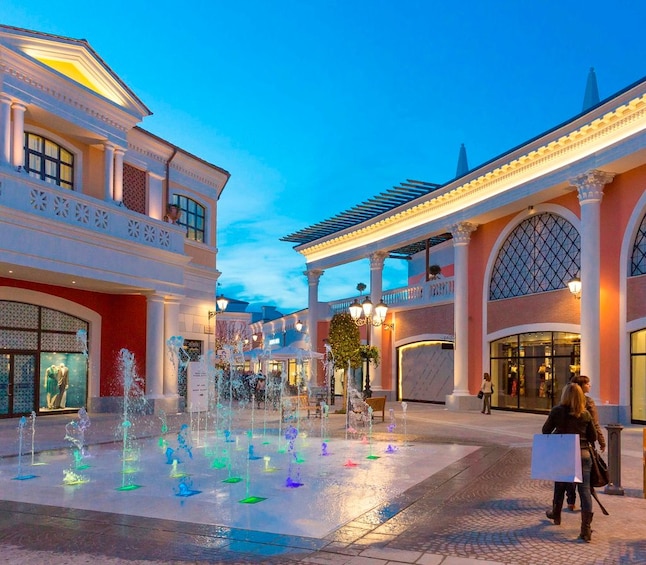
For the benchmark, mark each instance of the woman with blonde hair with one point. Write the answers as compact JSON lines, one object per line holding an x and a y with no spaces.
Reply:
{"x":571,"y":417}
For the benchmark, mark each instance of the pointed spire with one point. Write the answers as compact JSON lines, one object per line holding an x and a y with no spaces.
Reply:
{"x":463,"y":166}
{"x":591,"y":97}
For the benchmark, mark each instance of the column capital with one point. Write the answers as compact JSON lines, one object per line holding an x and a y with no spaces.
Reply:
{"x":590,"y":184}
{"x":313,"y":275}
{"x":19,"y":106}
{"x":377,"y":259}
{"x":462,"y":231}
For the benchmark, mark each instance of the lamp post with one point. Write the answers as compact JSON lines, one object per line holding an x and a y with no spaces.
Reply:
{"x":365,"y":314}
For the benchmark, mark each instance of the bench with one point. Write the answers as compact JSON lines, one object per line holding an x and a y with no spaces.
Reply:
{"x":378,"y":404}
{"x":293,"y":405}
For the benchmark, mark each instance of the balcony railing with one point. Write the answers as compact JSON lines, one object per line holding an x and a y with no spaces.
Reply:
{"x":424,"y":294}
{"x":22,"y":193}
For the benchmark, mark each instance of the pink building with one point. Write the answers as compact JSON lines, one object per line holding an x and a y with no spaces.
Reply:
{"x":509,"y":236}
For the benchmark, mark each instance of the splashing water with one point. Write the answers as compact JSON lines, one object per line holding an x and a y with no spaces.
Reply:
{"x":21,"y":430}
{"x":291,"y":435}
{"x":132,"y":396}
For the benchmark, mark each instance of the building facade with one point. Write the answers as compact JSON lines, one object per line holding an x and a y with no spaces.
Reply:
{"x":107,"y":233}
{"x":492,"y":255}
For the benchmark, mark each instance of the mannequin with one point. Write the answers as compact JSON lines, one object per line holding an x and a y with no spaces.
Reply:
{"x":51,"y":385}
{"x":63,"y":382}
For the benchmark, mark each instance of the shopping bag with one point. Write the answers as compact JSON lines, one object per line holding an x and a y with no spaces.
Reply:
{"x":557,"y":457}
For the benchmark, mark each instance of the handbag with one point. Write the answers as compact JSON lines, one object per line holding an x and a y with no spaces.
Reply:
{"x":480,"y":394}
{"x":599,"y":471}
{"x":557,"y":457}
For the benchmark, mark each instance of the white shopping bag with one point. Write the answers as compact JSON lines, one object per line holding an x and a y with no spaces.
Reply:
{"x":557,"y":457}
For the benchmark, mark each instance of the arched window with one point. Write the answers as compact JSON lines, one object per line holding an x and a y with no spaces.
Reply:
{"x":542,"y":253}
{"x":48,"y":161}
{"x":192,"y":217}
{"x":638,"y":258}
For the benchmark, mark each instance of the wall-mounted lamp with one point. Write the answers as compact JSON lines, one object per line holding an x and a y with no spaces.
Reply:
{"x":221,"y":305}
{"x":390,"y":327}
{"x":575,"y":287}
{"x":299,"y":326}
{"x":254,"y":337}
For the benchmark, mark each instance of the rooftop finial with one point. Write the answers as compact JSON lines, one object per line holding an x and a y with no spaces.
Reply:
{"x":591,"y":97}
{"x":463,"y":166}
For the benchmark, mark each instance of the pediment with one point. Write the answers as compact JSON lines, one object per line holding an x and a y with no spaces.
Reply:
{"x":75,"y":60}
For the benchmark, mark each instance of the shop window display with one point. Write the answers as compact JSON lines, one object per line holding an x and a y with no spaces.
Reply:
{"x":64,"y":381}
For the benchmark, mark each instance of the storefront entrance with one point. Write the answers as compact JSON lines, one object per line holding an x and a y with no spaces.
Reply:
{"x":529,"y":370}
{"x":17,"y":390}
{"x":44,"y":360}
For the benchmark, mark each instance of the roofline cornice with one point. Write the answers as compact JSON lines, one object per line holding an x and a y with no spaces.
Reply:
{"x":535,"y":159}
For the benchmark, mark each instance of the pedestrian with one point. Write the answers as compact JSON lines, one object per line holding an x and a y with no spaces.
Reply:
{"x":487,"y":391}
{"x":584,"y":382}
{"x":571,"y":417}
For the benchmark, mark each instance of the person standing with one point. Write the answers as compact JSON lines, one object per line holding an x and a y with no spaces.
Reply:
{"x":571,"y":417}
{"x":584,"y":382}
{"x":487,"y":391}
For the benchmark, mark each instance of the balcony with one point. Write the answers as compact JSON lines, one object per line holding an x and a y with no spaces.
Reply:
{"x":438,"y":291}
{"x":24,"y":194}
{"x":46,"y":229}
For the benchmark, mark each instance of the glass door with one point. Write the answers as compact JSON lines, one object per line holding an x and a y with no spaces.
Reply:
{"x":17,"y":384}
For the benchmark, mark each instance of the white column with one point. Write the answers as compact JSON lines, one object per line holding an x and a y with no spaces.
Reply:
{"x":155,"y":346}
{"x":461,"y":236}
{"x":5,"y":130}
{"x":313,"y":277}
{"x":155,"y":195}
{"x":590,"y":189}
{"x":171,"y":328}
{"x":118,"y":175}
{"x":108,"y":171}
{"x":18,"y":134}
{"x":376,"y":293}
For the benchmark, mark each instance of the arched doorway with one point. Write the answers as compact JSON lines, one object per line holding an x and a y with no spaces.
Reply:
{"x":43,"y":365}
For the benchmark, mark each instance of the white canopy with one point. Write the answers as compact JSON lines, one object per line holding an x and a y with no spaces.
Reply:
{"x":284,"y":353}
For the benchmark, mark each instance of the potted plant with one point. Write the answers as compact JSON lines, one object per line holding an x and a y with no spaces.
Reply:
{"x":434,"y":272}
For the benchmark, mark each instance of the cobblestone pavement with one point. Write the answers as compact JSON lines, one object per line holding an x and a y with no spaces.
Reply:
{"x":481,"y":509}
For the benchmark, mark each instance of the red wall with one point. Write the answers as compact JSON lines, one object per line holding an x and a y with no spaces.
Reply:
{"x":123,"y":326}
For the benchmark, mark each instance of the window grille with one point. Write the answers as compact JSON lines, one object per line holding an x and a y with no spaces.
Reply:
{"x":192,"y":217}
{"x":541,"y":254}
{"x":48,"y":161}
{"x":638,"y":258}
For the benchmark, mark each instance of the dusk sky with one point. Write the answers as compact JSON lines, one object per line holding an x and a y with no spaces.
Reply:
{"x":315,"y":106}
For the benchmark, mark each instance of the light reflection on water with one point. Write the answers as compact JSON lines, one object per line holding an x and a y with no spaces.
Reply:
{"x":331,"y":493}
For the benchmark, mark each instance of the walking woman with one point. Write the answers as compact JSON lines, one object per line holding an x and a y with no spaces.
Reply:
{"x":584,"y":382}
{"x":487,"y":391}
{"x":571,"y":417}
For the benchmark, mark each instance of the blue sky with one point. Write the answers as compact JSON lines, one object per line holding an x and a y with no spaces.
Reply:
{"x":316,"y":106}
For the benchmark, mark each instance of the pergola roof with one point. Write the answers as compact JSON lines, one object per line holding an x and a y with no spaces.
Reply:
{"x":371,"y":208}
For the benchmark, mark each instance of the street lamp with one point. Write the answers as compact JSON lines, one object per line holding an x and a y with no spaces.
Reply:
{"x":575,"y":287}
{"x":365,"y":314}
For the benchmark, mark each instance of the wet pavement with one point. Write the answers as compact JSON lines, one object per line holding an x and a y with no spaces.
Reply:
{"x":480,"y":508}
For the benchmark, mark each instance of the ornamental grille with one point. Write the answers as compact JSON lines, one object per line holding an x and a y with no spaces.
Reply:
{"x":134,"y":189}
{"x":638,"y":258}
{"x":31,"y":327}
{"x":542,"y":253}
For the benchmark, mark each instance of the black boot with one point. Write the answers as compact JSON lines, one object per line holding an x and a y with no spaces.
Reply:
{"x":555,"y":513}
{"x":586,"y":526}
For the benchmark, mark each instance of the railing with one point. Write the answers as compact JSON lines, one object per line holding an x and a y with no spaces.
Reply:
{"x":22,"y":193}
{"x":427,"y":293}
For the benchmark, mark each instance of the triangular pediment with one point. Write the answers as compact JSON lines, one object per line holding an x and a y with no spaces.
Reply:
{"x":75,"y":60}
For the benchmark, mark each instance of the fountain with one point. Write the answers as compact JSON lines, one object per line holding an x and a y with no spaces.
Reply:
{"x":133,"y":402}
{"x":21,"y":432}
